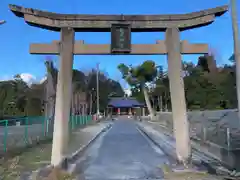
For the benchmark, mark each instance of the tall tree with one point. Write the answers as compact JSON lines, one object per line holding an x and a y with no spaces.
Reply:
{"x":50,"y":87}
{"x":139,"y":76}
{"x":161,"y":91}
{"x":107,"y":87}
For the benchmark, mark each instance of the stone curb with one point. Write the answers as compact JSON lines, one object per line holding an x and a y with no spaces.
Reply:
{"x":199,"y":162}
{"x":72,"y":166}
{"x":172,"y":155}
{"x":208,"y":159}
{"x":83,"y":148}
{"x":65,"y":162}
{"x":193,"y":141}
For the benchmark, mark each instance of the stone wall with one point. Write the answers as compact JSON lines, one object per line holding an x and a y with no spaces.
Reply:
{"x":220,"y":127}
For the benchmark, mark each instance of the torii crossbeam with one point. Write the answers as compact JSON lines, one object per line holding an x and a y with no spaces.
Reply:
{"x":80,"y":48}
{"x":102,"y":23}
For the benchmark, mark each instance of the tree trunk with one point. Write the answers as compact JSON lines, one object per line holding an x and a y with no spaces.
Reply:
{"x":50,"y":104}
{"x":166,"y":102}
{"x":146,"y":96}
{"x":153,"y":103}
{"x":160,"y":103}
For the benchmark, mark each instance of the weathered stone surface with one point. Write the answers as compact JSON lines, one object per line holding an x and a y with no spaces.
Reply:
{"x":178,"y":100}
{"x":20,"y":11}
{"x":63,"y":96}
{"x":80,"y":22}
{"x":104,"y":49}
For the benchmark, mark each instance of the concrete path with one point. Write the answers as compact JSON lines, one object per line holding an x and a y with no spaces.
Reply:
{"x":123,"y":153}
{"x":166,"y":141}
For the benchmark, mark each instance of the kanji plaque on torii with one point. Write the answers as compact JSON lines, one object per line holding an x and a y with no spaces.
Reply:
{"x":172,"y":46}
{"x":121,"y":38}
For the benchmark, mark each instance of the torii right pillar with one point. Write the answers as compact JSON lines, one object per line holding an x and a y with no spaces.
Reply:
{"x":179,"y":112}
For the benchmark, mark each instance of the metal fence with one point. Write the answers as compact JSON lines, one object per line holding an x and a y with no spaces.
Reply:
{"x":23,"y":132}
{"x":218,"y":127}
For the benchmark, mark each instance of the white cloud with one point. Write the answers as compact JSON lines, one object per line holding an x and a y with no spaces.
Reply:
{"x":26,"y":77}
{"x":43,"y":79}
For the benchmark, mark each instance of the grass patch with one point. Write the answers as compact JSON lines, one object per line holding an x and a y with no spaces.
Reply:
{"x":19,"y":150}
{"x":21,"y":160}
{"x":32,"y":159}
{"x":56,"y":174}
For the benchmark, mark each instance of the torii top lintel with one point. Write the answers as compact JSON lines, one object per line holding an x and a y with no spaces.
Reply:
{"x":102,"y":23}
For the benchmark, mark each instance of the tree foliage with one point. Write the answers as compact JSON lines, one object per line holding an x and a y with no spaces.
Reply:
{"x":17,"y":98}
{"x":107,"y":87}
{"x":207,"y":87}
{"x":138,"y":77}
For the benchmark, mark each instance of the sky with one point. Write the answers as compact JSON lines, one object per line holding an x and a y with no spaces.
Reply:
{"x":16,"y":35}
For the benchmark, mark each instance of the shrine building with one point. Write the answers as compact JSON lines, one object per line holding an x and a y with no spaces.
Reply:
{"x":125,"y":106}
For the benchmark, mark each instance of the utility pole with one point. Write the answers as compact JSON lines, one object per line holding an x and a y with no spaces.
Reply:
{"x":97,"y":79}
{"x":91,"y":100}
{"x":90,"y":109}
{"x":161,"y":103}
{"x":236,"y":49}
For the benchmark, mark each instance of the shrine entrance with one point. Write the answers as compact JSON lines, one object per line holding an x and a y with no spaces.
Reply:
{"x":121,"y":27}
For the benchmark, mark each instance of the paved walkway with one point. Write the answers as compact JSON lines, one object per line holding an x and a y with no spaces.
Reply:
{"x":167,"y":142}
{"x":39,"y":156}
{"x":122,"y":153}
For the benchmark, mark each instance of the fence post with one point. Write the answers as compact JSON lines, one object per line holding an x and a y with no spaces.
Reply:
{"x":44,"y":127}
{"x":5,"y":135}
{"x":26,"y":130}
{"x":80,"y":120}
{"x":75,"y":120}
{"x":70,"y":123}
{"x":204,"y":134}
{"x":228,"y":138}
{"x":47,"y":125}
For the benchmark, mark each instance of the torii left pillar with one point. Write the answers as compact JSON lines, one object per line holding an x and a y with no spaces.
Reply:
{"x":63,"y":97}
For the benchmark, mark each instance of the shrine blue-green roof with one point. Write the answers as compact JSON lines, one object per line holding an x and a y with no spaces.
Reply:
{"x":120,"y":102}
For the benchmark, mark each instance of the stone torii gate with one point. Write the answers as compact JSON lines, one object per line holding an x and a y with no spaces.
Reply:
{"x":67,"y":24}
